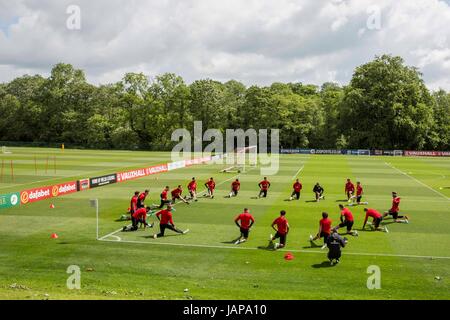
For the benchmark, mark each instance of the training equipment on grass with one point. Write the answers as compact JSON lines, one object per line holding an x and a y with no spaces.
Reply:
{"x":54,"y":236}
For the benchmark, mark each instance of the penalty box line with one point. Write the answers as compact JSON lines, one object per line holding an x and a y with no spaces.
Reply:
{"x":112,"y":234}
{"x":418,"y":181}
{"x":282,"y":250}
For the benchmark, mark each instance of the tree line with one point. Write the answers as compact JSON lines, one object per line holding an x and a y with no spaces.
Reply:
{"x":386,"y":105}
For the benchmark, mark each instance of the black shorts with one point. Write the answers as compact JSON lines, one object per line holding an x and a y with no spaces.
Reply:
{"x":244,"y":232}
{"x":358,"y":199}
{"x":393,"y":214}
{"x":325,"y":236}
{"x":334,"y":254}
{"x":348,"y":224}
{"x":192,"y":193}
{"x":235,"y":192}
{"x":134,"y":223}
{"x":163,"y":202}
{"x":296,"y":194}
{"x":349,"y":194}
{"x":263,"y":192}
{"x":376,"y":222}
{"x":282,"y":238}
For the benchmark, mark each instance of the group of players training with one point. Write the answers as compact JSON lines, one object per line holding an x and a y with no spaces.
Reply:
{"x":244,"y":221}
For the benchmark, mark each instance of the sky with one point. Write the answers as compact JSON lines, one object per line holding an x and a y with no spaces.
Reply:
{"x":252,"y":41}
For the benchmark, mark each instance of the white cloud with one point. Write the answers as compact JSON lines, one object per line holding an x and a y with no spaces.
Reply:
{"x":255,"y":41}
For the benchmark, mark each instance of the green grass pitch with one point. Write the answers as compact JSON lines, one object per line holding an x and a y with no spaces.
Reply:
{"x":414,"y":258}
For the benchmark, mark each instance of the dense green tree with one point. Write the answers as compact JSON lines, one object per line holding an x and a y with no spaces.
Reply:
{"x":387,"y":105}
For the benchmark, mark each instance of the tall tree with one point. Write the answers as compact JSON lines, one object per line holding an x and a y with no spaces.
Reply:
{"x":387,"y":105}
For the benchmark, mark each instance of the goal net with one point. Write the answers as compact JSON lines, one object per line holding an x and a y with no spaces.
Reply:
{"x":5,"y":150}
{"x":241,"y":159}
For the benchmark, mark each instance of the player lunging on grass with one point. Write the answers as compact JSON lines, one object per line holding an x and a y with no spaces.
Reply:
{"x":176,"y":194}
{"x":359,"y":194}
{"x":324,"y":230}
{"x":246,"y":222}
{"x":235,"y":187}
{"x":347,"y":221}
{"x":395,"y":210}
{"x":139,"y":216}
{"x":166,"y":222}
{"x":210,"y":186}
{"x":349,"y":189}
{"x":192,"y":187}
{"x":141,"y":199}
{"x":377,"y":218}
{"x":318,"y":192}
{"x":282,"y":230}
{"x":264,"y":186}
{"x":163,"y":197}
{"x":297,"y":189}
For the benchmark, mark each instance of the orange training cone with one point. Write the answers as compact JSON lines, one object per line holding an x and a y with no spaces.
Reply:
{"x":54,"y":236}
{"x":52,"y":206}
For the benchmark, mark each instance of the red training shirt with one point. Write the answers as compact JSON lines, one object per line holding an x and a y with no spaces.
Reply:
{"x":166,"y":217}
{"x":264,"y":185}
{"x":282,"y":224}
{"x":140,"y":213}
{"x":347,"y":214}
{"x":373,"y":213}
{"x":297,"y":186}
{"x":349,"y":186}
{"x":325,"y":225}
{"x":395,"y":204}
{"x":245,"y":219}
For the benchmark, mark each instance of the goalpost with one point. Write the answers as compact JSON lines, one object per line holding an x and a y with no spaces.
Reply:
{"x":5,"y":150}
{"x":242,"y":158}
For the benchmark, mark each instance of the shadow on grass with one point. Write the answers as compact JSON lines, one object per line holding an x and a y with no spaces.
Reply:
{"x":341,"y":200}
{"x":269,"y":247}
{"x":325,"y":264}
{"x":232,"y":241}
{"x":313,"y":245}
{"x":310,"y":201}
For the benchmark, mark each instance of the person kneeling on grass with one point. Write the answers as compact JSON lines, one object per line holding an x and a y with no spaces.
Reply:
{"x":377,"y":218}
{"x":395,"y":210}
{"x":282,"y":230}
{"x":247,"y":222}
{"x":334,"y":243}
{"x":166,"y":222}
{"x":346,"y":221}
{"x":176,"y":194}
{"x":318,"y":191}
{"x":324,"y":230}
{"x":139,"y":216}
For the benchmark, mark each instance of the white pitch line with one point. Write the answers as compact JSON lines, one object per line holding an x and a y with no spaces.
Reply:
{"x":295,"y":176}
{"x":112,"y":234}
{"x":418,"y":181}
{"x":282,"y":250}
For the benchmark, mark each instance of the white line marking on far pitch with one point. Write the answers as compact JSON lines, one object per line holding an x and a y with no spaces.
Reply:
{"x":418,"y":181}
{"x":295,"y":176}
{"x":282,"y":250}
